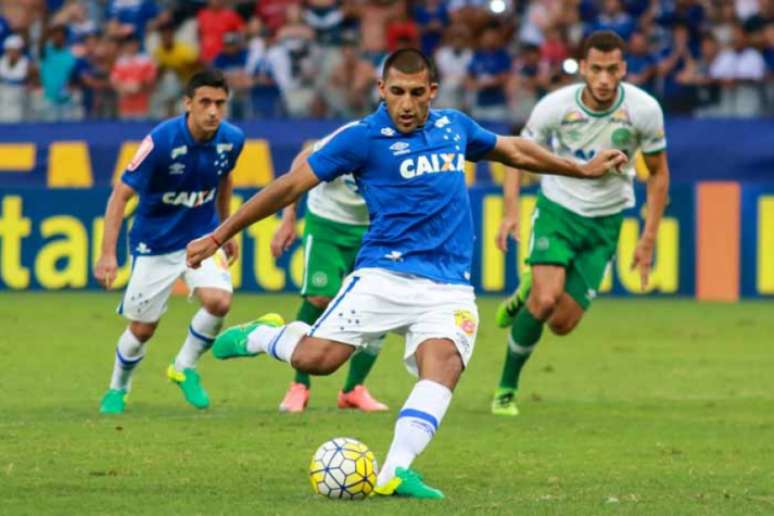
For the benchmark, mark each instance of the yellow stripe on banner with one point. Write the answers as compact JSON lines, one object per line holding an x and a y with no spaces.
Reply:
{"x":493,"y":260}
{"x":125,"y":155}
{"x":497,"y":172}
{"x":470,"y":173}
{"x":17,"y":157}
{"x":69,"y":165}
{"x":766,"y":244}
{"x":255,"y":167}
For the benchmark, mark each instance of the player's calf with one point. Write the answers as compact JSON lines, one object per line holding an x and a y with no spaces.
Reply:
{"x":320,"y":356}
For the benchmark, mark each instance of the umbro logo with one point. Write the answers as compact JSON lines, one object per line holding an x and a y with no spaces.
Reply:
{"x":399,"y":148}
{"x":176,"y":168}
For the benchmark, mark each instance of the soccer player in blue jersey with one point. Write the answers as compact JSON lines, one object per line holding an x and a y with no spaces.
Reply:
{"x":412,"y":274}
{"x":181,"y":173}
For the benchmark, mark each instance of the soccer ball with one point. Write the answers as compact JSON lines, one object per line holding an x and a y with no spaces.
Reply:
{"x":343,"y":468}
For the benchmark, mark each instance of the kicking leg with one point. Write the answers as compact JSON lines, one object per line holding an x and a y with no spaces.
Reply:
{"x":355,"y":394}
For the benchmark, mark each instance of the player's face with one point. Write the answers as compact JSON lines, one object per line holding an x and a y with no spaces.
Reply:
{"x":603,"y":72}
{"x":408,"y":96}
{"x":207,"y":108}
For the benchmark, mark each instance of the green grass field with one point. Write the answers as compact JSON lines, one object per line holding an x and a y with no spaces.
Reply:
{"x":651,"y":407}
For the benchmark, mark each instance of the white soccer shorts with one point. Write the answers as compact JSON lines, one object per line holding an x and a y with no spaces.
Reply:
{"x":153,"y":277}
{"x":373,"y":302}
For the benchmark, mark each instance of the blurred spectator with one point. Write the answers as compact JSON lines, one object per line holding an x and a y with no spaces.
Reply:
{"x":432,"y":17}
{"x":723,"y":26}
{"x":529,"y":82}
{"x":75,"y":16}
{"x":374,"y":16}
{"x":351,"y":83}
{"x":133,"y":77}
{"x":538,"y":16}
{"x":740,"y":70}
{"x":83,"y":75}
{"x":327,"y":19}
{"x":5,"y":28}
{"x":477,"y":13}
{"x":14,"y":72}
{"x":214,"y":22}
{"x":127,"y":17}
{"x":687,"y":12}
{"x":272,"y":12}
{"x":452,"y":61}
{"x":768,"y":56}
{"x":641,"y":64}
{"x":177,"y":62}
{"x":554,"y":50}
{"x":232,"y":61}
{"x":613,"y":17}
{"x":56,"y":66}
{"x":294,"y":63}
{"x":487,"y":76}
{"x":402,"y":32}
{"x":697,"y":74}
{"x":677,"y":97}
{"x":746,"y":9}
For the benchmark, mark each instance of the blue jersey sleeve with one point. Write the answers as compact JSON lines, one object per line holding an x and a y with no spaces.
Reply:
{"x":479,"y":140}
{"x":140,"y":170}
{"x":238,"y":146}
{"x":342,"y":152}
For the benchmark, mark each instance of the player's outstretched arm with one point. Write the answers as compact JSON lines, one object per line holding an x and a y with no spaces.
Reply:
{"x":518,"y":152}
{"x":107,"y":264}
{"x":658,"y":188}
{"x":278,"y":194}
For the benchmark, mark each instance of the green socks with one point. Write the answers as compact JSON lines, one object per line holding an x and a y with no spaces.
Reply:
{"x":525,"y":333}
{"x":307,"y":313}
{"x":359,"y":366}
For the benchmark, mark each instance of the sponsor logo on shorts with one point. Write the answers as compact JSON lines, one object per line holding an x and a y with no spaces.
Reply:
{"x":542,"y":243}
{"x":221,"y":260}
{"x":142,"y":248}
{"x":319,"y":279}
{"x":465,"y":321}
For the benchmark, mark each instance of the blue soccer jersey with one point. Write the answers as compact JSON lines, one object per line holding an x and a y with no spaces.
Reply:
{"x":414,"y":187}
{"x":177,"y":179}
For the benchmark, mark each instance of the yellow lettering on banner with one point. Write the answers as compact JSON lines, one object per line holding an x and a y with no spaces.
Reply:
{"x":124,"y":271}
{"x":664,"y":276}
{"x":607,"y":280}
{"x":69,"y":165}
{"x":527,"y":208}
{"x":640,"y":167}
{"x":13,"y":228}
{"x":72,"y":249}
{"x":492,"y":259}
{"x":17,"y":157}
{"x":254,"y":167}
{"x":497,"y":172}
{"x":267,"y":275}
{"x":236,"y":267}
{"x":470,"y":173}
{"x":125,"y":155}
{"x":766,"y":244}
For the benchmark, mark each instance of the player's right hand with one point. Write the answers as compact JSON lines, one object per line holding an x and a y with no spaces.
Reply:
{"x":509,"y":227}
{"x":283,"y":238}
{"x":106,"y":269}
{"x":199,"y":250}
{"x":608,"y":160}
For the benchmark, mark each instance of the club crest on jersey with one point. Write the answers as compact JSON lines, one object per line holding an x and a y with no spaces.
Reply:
{"x":400,"y":148}
{"x":432,"y":163}
{"x":387,"y":131}
{"x":145,"y":148}
{"x":188,"y":199}
{"x":442,"y":122}
{"x":178,"y":151}
{"x":224,"y":147}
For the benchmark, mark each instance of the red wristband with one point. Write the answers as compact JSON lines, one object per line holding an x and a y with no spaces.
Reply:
{"x":212,"y":236}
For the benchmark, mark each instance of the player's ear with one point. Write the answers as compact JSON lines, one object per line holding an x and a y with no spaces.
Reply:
{"x":433,"y":90}
{"x":187,"y":101}
{"x":381,"y":86}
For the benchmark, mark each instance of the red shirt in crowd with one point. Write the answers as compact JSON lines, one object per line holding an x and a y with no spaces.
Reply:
{"x":139,"y":72}
{"x":213,"y":24}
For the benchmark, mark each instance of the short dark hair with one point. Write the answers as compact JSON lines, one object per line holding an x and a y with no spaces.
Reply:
{"x":604,"y":41}
{"x":409,"y":60}
{"x":212,"y":78}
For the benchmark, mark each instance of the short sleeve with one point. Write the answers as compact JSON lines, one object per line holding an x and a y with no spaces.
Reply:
{"x":540,"y":125}
{"x":479,"y":140}
{"x":239,"y":144}
{"x":140,"y":170}
{"x":651,"y":126}
{"x":342,"y":152}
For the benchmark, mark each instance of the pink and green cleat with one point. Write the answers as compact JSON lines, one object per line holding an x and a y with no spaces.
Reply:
{"x":409,"y":484}
{"x":295,"y":399}
{"x":232,"y":342}
{"x":359,"y":398}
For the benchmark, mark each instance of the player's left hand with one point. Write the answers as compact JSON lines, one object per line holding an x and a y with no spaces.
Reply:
{"x":643,"y":259}
{"x":608,"y":160}
{"x":509,"y":227}
{"x":231,"y":248}
{"x":199,"y":250}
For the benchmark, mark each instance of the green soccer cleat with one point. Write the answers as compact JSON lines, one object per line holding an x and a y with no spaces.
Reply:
{"x":113,"y":402}
{"x":504,"y":403}
{"x":506,"y":312}
{"x":232,"y":343}
{"x":408,"y":483}
{"x":189,"y":382}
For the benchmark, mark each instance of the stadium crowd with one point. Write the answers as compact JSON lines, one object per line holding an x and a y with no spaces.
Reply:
{"x":128,"y":59}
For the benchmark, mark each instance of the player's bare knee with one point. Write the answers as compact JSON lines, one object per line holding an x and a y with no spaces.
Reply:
{"x":562,"y":327}
{"x":542,"y":304}
{"x":319,"y":301}
{"x":142,"y":331}
{"x":218,"y":305}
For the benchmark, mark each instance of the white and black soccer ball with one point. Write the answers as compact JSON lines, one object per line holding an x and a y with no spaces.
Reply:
{"x":343,"y":468}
